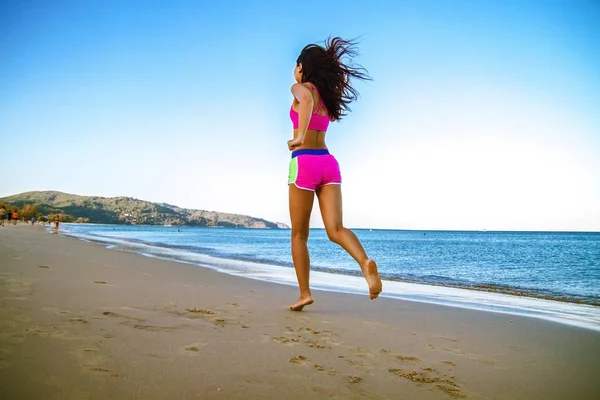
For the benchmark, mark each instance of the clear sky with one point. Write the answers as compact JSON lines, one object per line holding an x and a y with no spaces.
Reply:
{"x":481,"y":115}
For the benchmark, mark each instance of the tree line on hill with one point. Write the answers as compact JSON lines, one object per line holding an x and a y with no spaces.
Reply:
{"x":28,"y":211}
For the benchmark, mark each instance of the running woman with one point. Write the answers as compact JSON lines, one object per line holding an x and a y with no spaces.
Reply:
{"x":322,"y":94}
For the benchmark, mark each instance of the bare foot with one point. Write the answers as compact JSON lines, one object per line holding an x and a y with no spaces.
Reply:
{"x":372,"y":277}
{"x":302,"y":301}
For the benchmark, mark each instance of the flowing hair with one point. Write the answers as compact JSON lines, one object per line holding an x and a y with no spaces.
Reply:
{"x":330,"y":69}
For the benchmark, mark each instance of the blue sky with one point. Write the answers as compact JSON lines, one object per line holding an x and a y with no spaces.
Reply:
{"x":481,"y":114}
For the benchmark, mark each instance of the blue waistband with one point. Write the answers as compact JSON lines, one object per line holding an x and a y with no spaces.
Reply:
{"x":312,"y":152}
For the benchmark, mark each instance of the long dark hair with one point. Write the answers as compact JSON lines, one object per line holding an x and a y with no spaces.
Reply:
{"x":326,"y":68}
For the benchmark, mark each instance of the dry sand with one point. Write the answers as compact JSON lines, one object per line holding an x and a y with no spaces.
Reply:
{"x":78,"y":321}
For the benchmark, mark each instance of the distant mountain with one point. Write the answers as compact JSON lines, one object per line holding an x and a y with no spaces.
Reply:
{"x":127,"y":210}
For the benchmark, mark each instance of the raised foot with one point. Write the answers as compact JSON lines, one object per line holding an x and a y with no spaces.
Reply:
{"x":301,"y":303}
{"x":373,"y":279}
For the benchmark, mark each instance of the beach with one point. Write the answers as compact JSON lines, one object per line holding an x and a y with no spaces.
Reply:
{"x":80,"y":321}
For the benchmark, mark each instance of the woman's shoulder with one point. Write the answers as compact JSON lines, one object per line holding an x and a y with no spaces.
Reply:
{"x":302,"y":90}
{"x":302,"y":86}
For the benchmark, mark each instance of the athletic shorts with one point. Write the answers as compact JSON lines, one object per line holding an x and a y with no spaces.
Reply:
{"x":311,"y":169}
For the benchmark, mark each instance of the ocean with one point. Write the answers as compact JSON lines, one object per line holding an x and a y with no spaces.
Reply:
{"x":549,"y":275}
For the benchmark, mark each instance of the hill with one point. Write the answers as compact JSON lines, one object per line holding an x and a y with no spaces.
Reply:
{"x":128,"y":210}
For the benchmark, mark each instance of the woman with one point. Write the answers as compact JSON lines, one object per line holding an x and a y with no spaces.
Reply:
{"x":322,"y":93}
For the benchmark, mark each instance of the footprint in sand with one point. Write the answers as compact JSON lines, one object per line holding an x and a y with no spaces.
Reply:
{"x":110,"y":314}
{"x":212,"y":316}
{"x":400,"y":357}
{"x":431,"y":376}
{"x":353,"y":362}
{"x":88,"y":349}
{"x":199,"y":311}
{"x":285,"y":340}
{"x":313,"y":331}
{"x":448,"y":338}
{"x":321,"y":368}
{"x":153,"y":328}
{"x":156,"y":356}
{"x":194,"y":348}
{"x":360,"y":352}
{"x":451,"y":389}
{"x":137,"y":323}
{"x":103,"y":371}
{"x":314,"y":338}
{"x":127,"y":317}
{"x":79,"y":319}
{"x":316,"y":344}
{"x":300,"y":359}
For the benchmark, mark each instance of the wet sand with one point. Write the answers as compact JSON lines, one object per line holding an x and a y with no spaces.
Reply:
{"x":79,"y":321}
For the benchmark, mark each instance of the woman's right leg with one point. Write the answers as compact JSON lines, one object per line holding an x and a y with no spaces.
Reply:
{"x":301,"y":203}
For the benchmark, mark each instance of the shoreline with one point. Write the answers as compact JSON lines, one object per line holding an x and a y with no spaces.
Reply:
{"x":480,"y":287}
{"x":81,"y":321}
{"x":574,"y":313}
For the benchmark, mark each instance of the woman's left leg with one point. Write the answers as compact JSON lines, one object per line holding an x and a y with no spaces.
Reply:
{"x":330,"y":203}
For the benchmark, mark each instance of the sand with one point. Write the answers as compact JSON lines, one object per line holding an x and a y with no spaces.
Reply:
{"x":79,"y":321}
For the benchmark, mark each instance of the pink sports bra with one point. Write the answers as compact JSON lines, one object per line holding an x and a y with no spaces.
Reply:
{"x":317,"y":122}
